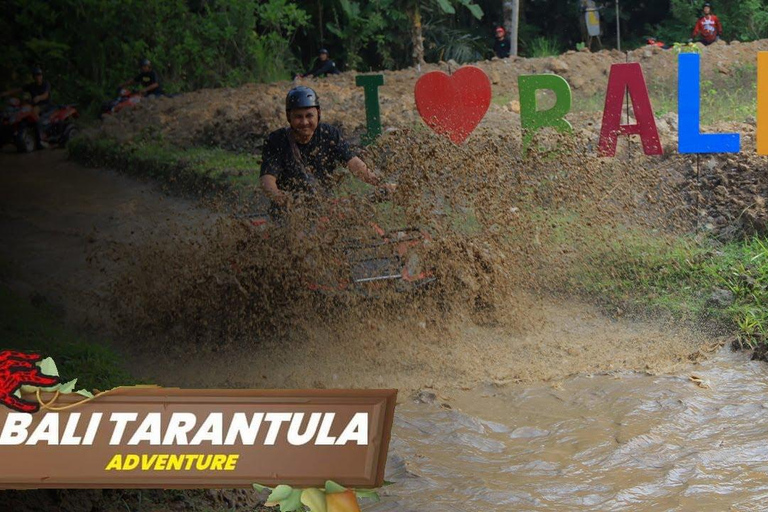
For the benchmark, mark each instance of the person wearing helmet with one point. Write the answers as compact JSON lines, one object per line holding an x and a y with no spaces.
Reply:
{"x":301,"y":158}
{"x":39,"y":91}
{"x":502,"y":43}
{"x":708,"y":26}
{"x":323,"y":66}
{"x":146,"y":79}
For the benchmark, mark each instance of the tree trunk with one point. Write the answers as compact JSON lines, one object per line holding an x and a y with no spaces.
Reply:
{"x":417,"y":39}
{"x":511,"y":10}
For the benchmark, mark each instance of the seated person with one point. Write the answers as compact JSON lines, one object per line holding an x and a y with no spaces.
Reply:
{"x":323,"y":66}
{"x":147,"y":80}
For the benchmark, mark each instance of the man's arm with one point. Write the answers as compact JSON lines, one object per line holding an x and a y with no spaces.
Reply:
{"x":718,"y":26}
{"x":150,"y":88}
{"x":43,"y":97}
{"x":357,"y":167}
{"x":269,"y":186}
{"x":696,"y":28}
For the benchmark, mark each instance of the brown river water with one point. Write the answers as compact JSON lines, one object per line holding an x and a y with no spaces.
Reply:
{"x":679,"y":436}
{"x":626,"y":441}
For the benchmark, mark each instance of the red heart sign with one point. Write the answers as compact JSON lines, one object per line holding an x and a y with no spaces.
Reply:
{"x":453,"y":105}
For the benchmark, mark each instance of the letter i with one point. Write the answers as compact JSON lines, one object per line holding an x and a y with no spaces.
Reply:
{"x":762,"y":103}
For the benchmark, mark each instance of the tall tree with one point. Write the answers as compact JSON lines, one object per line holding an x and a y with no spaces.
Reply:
{"x":413,"y":8}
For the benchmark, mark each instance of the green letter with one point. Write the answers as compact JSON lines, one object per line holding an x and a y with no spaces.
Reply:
{"x":370,"y":84}
{"x":532,"y":119}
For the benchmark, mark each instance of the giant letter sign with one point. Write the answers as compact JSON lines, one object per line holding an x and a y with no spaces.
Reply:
{"x":629,"y":77}
{"x":453,"y":105}
{"x":532,"y":119}
{"x":690,"y":138}
{"x":762,"y":103}
{"x":370,"y":86}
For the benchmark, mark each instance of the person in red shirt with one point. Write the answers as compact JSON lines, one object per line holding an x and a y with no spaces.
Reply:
{"x":708,"y":26}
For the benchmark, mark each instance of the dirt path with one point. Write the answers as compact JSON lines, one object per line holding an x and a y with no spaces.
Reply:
{"x":55,"y":215}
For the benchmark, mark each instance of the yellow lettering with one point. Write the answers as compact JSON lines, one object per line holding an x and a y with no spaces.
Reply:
{"x":217,"y":464}
{"x":116,"y":462}
{"x":131,"y":462}
{"x":175,"y":462}
{"x":190,"y":460}
{"x":146,"y":463}
{"x":161,"y":462}
{"x":203,"y":462}
{"x":231,"y":462}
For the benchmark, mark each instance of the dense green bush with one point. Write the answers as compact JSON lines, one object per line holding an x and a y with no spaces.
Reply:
{"x":89,"y":47}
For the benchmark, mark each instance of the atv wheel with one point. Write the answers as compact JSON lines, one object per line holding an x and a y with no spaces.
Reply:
{"x":26,"y":139}
{"x":69,"y":132}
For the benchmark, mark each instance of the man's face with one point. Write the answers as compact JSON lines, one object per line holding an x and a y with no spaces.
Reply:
{"x":499,"y":34}
{"x":706,"y":10}
{"x":145,"y":69}
{"x":304,"y":121}
{"x":39,"y":78}
{"x":323,"y":57}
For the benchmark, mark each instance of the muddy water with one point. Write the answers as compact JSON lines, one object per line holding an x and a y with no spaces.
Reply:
{"x":613,"y":442}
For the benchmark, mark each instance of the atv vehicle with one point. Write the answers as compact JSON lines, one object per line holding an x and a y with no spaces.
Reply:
{"x":126,"y":98}
{"x":20,"y":124}
{"x":58,"y":124}
{"x":373,"y":258}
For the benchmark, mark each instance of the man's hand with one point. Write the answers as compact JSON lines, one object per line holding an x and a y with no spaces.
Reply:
{"x":17,"y":369}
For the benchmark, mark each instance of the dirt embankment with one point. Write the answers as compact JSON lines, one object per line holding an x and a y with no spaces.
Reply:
{"x":239,"y":118}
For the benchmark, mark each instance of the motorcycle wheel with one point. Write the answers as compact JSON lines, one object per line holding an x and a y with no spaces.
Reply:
{"x":26,"y":139}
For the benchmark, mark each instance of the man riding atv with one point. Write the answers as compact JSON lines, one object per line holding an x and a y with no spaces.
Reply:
{"x":146,"y":79}
{"x":301,"y":158}
{"x":39,"y":90}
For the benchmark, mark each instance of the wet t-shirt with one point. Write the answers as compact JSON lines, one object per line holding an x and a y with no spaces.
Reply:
{"x":316,"y":161}
{"x":147,"y":79}
{"x":35,"y":90}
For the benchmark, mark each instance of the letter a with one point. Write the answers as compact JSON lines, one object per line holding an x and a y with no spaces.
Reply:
{"x":623,"y":78}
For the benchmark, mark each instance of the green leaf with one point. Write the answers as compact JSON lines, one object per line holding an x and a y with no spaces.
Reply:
{"x":314,"y":499}
{"x":279,"y":493}
{"x":331,"y":487}
{"x":85,"y":393}
{"x":258,"y":487}
{"x":48,"y":367}
{"x":387,"y":482}
{"x":475,"y":9}
{"x":69,"y":387}
{"x":367,"y":493}
{"x":446,"y":6}
{"x":292,"y":502}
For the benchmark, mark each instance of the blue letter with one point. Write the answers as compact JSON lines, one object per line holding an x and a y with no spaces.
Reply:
{"x":689,"y":137}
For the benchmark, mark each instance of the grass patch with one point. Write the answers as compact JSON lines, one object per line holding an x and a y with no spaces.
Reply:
{"x":199,"y":170}
{"x":543,"y":47}
{"x":690,"y":279}
{"x":37,"y":329}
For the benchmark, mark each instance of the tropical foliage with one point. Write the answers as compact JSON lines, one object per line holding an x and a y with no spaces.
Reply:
{"x":88,"y":47}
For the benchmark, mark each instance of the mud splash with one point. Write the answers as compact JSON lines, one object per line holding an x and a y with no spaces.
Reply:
{"x":693,"y":441}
